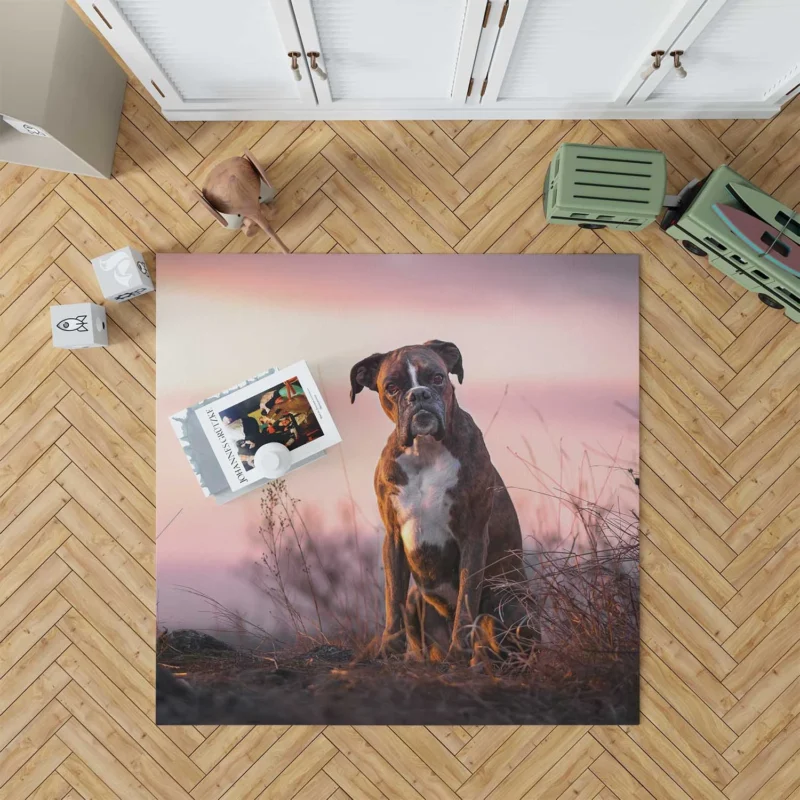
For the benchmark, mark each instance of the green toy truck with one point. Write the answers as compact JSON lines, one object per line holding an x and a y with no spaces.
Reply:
{"x":598,"y":187}
{"x":696,"y":225}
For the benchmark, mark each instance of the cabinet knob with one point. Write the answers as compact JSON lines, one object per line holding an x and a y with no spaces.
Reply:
{"x":676,"y":60}
{"x":657,"y":56}
{"x":316,"y":68}
{"x":295,"y":66}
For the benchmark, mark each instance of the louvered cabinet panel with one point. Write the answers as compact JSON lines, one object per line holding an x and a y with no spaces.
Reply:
{"x":440,"y":59}
{"x":212,"y":50}
{"x":387,"y":51}
{"x":231,"y":53}
{"x":581,"y":49}
{"x":747,"y":50}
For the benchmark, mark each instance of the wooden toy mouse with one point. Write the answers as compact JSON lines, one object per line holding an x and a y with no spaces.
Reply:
{"x":233,"y":188}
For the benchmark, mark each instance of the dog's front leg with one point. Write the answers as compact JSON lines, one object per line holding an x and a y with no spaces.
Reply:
{"x":396,"y":576}
{"x":472,"y":563}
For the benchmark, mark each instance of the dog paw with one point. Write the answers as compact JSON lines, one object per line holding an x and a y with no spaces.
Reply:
{"x":392,"y":644}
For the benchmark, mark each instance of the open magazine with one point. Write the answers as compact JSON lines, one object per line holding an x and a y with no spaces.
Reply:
{"x":285,"y":407}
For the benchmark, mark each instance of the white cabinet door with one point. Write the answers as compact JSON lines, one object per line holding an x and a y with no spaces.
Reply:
{"x":208,"y":54}
{"x":744,"y":51}
{"x":578,"y":54}
{"x":390,"y":54}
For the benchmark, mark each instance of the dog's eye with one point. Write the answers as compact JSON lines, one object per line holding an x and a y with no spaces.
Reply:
{"x":392,"y":388}
{"x":438,"y":380}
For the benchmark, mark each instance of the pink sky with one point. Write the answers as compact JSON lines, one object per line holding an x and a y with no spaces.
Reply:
{"x":560,"y":331}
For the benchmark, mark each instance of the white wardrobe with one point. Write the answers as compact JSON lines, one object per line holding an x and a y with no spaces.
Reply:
{"x":439,"y":59}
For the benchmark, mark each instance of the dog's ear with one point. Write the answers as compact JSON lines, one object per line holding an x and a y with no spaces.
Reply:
{"x":365,"y":374}
{"x":451,"y":356}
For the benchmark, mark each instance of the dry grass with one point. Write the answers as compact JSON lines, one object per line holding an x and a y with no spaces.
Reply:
{"x":316,"y":662}
{"x":323,"y":589}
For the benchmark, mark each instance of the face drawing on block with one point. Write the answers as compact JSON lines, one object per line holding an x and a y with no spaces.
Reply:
{"x":143,"y":268}
{"x":121,"y":265}
{"x":77,"y":324}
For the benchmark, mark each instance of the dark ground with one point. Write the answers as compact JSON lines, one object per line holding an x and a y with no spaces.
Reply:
{"x":202,"y":681}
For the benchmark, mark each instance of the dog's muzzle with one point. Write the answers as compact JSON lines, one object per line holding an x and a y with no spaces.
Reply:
{"x":422,"y":414}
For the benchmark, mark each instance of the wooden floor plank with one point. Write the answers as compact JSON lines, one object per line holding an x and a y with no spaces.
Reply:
{"x":500,"y":199}
{"x":419,"y":161}
{"x":144,"y":153}
{"x":691,"y":688}
{"x":35,"y":661}
{"x":84,"y":782}
{"x":157,"y":202}
{"x":476,"y":133}
{"x":29,"y":631}
{"x":759,"y":624}
{"x":509,"y":172}
{"x":111,"y":518}
{"x":37,"y":296}
{"x":688,"y":741}
{"x":393,"y":189}
{"x":139,"y":727}
{"x":159,"y":131}
{"x":366,"y":224}
{"x":750,"y":707}
{"x":80,"y":451}
{"x":31,"y":231}
{"x":437,"y":143}
{"x":31,"y":738}
{"x":89,"y":750}
{"x":30,"y":267}
{"x":26,"y":198}
{"x":99,"y":614}
{"x":285,"y":166}
{"x":684,"y":412}
{"x":692,"y":635}
{"x":12,"y":176}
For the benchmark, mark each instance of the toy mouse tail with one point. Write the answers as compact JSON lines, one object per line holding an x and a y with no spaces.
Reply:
{"x":268,"y":229}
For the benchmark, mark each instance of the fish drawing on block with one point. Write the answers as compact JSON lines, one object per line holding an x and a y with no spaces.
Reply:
{"x":77,"y":324}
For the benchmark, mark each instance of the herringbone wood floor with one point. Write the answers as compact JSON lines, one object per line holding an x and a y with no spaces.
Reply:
{"x":720,"y":471}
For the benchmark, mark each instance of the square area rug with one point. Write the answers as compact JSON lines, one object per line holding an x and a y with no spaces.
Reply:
{"x":467,"y":554}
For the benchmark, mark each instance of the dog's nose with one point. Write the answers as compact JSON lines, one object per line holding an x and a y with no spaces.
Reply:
{"x":418,"y":394}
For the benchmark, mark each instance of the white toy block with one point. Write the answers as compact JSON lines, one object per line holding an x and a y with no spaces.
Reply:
{"x":122,"y":274}
{"x":78,"y":325}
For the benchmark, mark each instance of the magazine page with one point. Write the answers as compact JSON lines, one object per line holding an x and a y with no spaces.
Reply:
{"x":284,"y":407}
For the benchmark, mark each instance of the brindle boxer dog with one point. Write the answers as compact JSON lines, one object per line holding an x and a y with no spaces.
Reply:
{"x":448,"y":516}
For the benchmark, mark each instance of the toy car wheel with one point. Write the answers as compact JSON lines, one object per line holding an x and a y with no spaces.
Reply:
{"x":769,"y":301}
{"x":693,"y":248}
{"x":592,"y":226}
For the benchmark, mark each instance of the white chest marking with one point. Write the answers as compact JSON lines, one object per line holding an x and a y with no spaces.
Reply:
{"x":423,"y":503}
